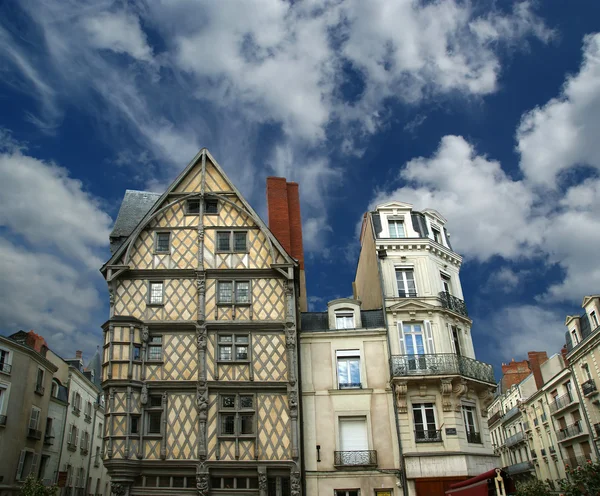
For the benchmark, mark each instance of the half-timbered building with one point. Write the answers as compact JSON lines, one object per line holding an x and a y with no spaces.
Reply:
{"x":200,"y":352}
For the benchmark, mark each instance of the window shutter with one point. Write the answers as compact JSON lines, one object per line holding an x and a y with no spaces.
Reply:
{"x":76,"y":436}
{"x":70,"y":433}
{"x":34,"y":465}
{"x":451,"y":336}
{"x":401,"y":338}
{"x":20,"y":466}
{"x":429,"y":337}
{"x":33,"y":420}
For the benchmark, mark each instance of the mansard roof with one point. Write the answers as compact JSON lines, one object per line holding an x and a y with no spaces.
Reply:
{"x":135,"y":205}
{"x":319,"y":321}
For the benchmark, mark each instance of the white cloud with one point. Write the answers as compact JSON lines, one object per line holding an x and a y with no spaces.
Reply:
{"x":505,"y":280}
{"x":120,"y":32}
{"x":563,"y":133}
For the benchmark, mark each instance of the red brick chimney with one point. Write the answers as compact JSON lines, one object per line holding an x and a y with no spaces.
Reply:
{"x":36,"y":341}
{"x":285,"y":222}
{"x":563,"y":352}
{"x":513,"y":373}
{"x":536,"y":359}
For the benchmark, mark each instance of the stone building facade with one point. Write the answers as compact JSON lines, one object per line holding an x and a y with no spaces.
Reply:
{"x":408,"y":267}
{"x":200,"y":364}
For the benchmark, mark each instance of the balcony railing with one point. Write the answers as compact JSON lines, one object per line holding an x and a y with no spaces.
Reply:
{"x":39,"y":389}
{"x":350,"y":385}
{"x":561,"y":402}
{"x":406,"y":294}
{"x":519,"y":437}
{"x":519,"y":468}
{"x":5,"y":368}
{"x":428,"y":436}
{"x":363,"y":458}
{"x":453,"y":303}
{"x":2,"y":420}
{"x":49,"y":440}
{"x":87,"y":417}
{"x":570,"y":431}
{"x":533,"y":454}
{"x":576,"y":461}
{"x":34,"y":434}
{"x":71,"y":446}
{"x":84,"y":451}
{"x":76,"y":411}
{"x":526,"y":426}
{"x":495,"y":417}
{"x":441,"y":364}
{"x":474,"y":437}
{"x":510,"y":414}
{"x":588,"y":387}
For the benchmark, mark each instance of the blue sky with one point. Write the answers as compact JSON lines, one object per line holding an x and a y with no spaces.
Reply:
{"x":486,"y":111}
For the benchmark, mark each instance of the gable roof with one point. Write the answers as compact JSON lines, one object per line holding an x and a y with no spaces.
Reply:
{"x":394,"y":204}
{"x":135,"y":205}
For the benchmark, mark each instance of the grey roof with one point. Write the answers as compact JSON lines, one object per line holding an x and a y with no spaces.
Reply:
{"x":95,"y":364}
{"x":319,"y":321}
{"x":135,"y":205}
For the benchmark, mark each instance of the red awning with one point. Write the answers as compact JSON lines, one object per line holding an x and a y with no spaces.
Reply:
{"x":476,"y":486}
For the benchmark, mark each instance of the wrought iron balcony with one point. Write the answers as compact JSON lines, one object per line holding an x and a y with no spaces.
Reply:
{"x":441,"y":364}
{"x":76,"y":411}
{"x":561,"y":402}
{"x":577,"y":461}
{"x":84,"y":451}
{"x":510,"y":414}
{"x":428,"y":436}
{"x":71,"y":446}
{"x":519,"y":437}
{"x":519,"y":468}
{"x":350,"y":385}
{"x":2,"y":420}
{"x":34,"y":434}
{"x":589,"y":387}
{"x":48,"y":440}
{"x":87,"y":418}
{"x":39,"y":389}
{"x":453,"y":303}
{"x":406,"y":294}
{"x":5,"y":368}
{"x":363,"y":458}
{"x":570,"y":431}
{"x":495,"y":417}
{"x":474,"y":437}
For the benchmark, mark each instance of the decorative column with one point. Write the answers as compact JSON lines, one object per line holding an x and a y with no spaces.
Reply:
{"x":295,"y":482}
{"x":262,"y":480}
{"x":163,"y":445}
{"x":111,"y":430}
{"x":202,"y":479}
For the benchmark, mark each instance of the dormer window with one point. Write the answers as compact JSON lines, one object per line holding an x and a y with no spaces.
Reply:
{"x":574,"y":337}
{"x":594,"y":319}
{"x":437,"y":235}
{"x":396,"y":228}
{"x":344,"y":320}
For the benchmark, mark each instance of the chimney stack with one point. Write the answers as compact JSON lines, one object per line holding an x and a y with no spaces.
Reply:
{"x":285,"y":222}
{"x":536,"y":359}
{"x":79,"y":355}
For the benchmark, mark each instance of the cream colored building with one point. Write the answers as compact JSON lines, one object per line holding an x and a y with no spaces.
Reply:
{"x":350,"y":436}
{"x":408,"y":267}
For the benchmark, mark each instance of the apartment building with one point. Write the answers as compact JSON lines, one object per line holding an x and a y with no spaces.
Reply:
{"x":408,"y":267}
{"x":25,"y":386}
{"x":200,"y":360}
{"x":350,"y":436}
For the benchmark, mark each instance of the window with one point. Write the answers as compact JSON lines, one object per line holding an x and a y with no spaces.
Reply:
{"x":347,"y":492}
{"x":233,"y":347}
{"x":76,"y":403}
{"x":100,"y":429}
{"x":85,"y":438}
{"x":425,"y":425}
{"x":414,"y":342}
{"x":354,"y":443}
{"x":156,"y":293}
{"x":344,"y":320}
{"x":446,"y":283}
{"x":137,"y":351}
{"x":396,"y":229}
{"x":154,"y":422}
{"x":34,"y":418}
{"x":456,"y":340}
{"x":88,"y":411}
{"x":575,"y":337}
{"x":437,"y":235}
{"x":155,"y":348}
{"x":234,"y":483}
{"x":39,"y":382}
{"x":27,"y":464}
{"x":72,"y":437}
{"x":405,"y":279}
{"x":469,"y":417}
{"x":193,"y":207}
{"x":594,"y":319}
{"x":348,"y":366}
{"x":236,"y":415}
{"x":586,"y":371}
{"x":5,"y":361}
{"x":54,"y":390}
{"x":211,"y":207}
{"x":232,"y":241}
{"x":227,"y":295}
{"x":134,"y":426}
{"x":163,"y":242}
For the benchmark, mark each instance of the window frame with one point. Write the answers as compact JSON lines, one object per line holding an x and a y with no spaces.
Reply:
{"x":153,"y":344}
{"x":149,"y":301}
{"x":206,"y":201}
{"x":204,"y":210}
{"x":233,"y":344}
{"x":238,"y":412}
{"x":157,"y":235}
{"x":476,"y":428}
{"x":594,"y":318}
{"x":423,"y":408}
{"x":154,"y":410}
{"x":405,"y":281}
{"x":346,"y":492}
{"x":395,"y":222}
{"x":343,"y":313}
{"x":6,"y":364}
{"x":234,"y":292}
{"x":437,"y":230}
{"x":347,"y":356}
{"x":231,"y":248}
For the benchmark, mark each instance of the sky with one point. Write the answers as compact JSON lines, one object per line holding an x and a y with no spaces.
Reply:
{"x":486,"y":111}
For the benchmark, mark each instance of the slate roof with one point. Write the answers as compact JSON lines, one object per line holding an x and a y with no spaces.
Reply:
{"x":134,"y":207}
{"x":318,"y":321}
{"x":95,"y":364}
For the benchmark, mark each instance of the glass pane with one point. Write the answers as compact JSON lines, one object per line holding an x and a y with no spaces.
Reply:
{"x":223,"y":241}
{"x":429,"y":416}
{"x":418,"y":416}
{"x":239,"y":241}
{"x":241,"y":353}
{"x":224,"y":352}
{"x":215,"y":482}
{"x":228,"y":482}
{"x":246,"y":401}
{"x":156,"y":339}
{"x":136,"y":352}
{"x":155,"y":401}
{"x":241,"y":339}
{"x":228,"y":401}
{"x":343,"y":371}
{"x":225,"y":292}
{"x":154,"y":352}
{"x":354,"y":371}
{"x":156,"y":292}
{"x":225,"y":338}
{"x":242,"y":292}
{"x":419,"y":344}
{"x":410,"y":347}
{"x":178,"y":481}
{"x":210,"y":206}
{"x":193,"y":206}
{"x":228,"y":424}
{"x":162,"y":242}
{"x":155,"y":422}
{"x":252,"y":483}
{"x":247,"y":424}
{"x":164,"y":481}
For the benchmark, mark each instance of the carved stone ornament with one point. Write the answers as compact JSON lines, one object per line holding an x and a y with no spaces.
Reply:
{"x":202,"y":398}
{"x":164,"y":398}
{"x":201,"y":284}
{"x":290,"y":337}
{"x":293,"y":399}
{"x":202,"y":484}
{"x":201,"y":337}
{"x":401,"y":389}
{"x":144,"y":395}
{"x":200,"y":233}
{"x":446,"y":390}
{"x":117,"y":489}
{"x":262,"y":481}
{"x":461,"y":389}
{"x":145,"y":334}
{"x":111,"y":296}
{"x":295,"y":483}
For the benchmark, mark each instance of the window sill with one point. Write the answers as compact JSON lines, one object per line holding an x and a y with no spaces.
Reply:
{"x":4,"y":372}
{"x":161,"y":252}
{"x":153,"y":436}
{"x":233,"y":362}
{"x":233,"y":304}
{"x":362,"y":390}
{"x":155,"y":362}
{"x":155,"y":304}
{"x":233,"y":437}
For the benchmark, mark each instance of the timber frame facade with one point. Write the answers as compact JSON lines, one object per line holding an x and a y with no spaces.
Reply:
{"x":200,"y":359}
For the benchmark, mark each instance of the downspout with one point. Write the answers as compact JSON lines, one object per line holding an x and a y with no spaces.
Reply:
{"x":385,"y":320}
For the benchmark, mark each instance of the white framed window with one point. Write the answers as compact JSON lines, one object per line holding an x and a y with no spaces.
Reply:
{"x":27,"y":464}
{"x":416,"y":338}
{"x":344,"y":320}
{"x":470,"y":420}
{"x":396,"y":228}
{"x":574,"y":337}
{"x":5,"y":361}
{"x":594,"y":319}
{"x":437,"y":234}
{"x":354,"y":441}
{"x":162,"y":242}
{"x":446,"y":286}
{"x":348,"y":369}
{"x":425,"y":423}
{"x":405,"y":280}
{"x":346,"y":492}
{"x":156,"y":293}
{"x":455,"y":336}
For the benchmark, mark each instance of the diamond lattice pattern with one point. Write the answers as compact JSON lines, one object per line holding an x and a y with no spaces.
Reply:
{"x":182,"y":427}
{"x":273,"y":427}
{"x":181,"y":362}
{"x":270,"y":357}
